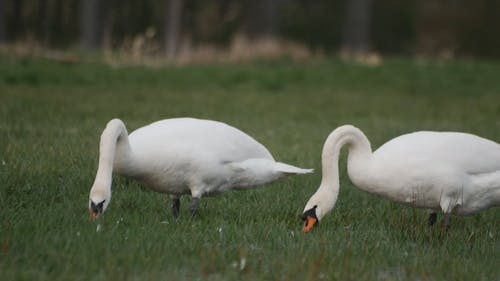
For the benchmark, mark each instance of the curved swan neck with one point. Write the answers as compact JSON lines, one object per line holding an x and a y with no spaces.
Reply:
{"x":114,"y":140}
{"x":359,"y":151}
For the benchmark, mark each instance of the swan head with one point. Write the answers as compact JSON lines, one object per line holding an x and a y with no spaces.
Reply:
{"x":310,"y":218}
{"x":316,"y":208}
{"x":98,"y":202}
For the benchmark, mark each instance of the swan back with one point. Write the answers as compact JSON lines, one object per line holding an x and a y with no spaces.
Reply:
{"x":464,"y":152}
{"x":202,"y":139}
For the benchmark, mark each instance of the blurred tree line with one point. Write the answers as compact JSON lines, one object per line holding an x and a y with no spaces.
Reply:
{"x":430,"y":27}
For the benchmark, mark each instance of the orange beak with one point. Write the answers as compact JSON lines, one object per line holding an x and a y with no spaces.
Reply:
{"x":93,"y":216}
{"x":309,"y":223}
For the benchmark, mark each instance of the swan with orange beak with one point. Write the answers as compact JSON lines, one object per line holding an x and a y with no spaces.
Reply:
{"x":452,"y":172}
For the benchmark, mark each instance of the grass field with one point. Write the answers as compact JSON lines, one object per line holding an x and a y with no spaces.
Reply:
{"x":52,"y":114}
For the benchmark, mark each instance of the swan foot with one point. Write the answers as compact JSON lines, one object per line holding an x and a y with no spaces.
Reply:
{"x":193,"y":206}
{"x":432,"y":219}
{"x":176,"y":204}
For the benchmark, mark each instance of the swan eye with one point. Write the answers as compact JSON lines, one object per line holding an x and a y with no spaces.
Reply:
{"x":100,"y":205}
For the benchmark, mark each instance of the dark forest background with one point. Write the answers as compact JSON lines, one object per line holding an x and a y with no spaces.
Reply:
{"x":446,"y":28}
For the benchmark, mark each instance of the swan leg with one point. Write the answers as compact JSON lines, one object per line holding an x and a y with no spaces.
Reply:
{"x":176,"y":204}
{"x":447,"y":205}
{"x":432,"y":218}
{"x":445,"y":222}
{"x":193,"y":206}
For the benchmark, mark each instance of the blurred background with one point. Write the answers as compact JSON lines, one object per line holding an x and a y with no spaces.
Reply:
{"x":223,"y":30}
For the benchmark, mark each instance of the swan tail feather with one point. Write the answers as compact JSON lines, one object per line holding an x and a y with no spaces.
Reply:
{"x":289,"y":169}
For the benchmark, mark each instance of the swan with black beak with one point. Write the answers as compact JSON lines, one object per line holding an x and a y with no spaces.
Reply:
{"x":183,"y":156}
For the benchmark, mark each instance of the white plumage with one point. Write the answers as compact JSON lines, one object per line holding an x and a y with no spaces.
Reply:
{"x":453,"y":172}
{"x":180,"y":156}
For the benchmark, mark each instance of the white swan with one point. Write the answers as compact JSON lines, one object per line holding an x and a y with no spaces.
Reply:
{"x":453,"y":172}
{"x":183,"y":155}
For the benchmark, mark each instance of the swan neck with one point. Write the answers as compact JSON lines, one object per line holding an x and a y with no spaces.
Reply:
{"x":359,"y":152}
{"x":114,"y":142}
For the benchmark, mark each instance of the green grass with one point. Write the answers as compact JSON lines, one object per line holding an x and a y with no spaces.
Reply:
{"x":51,"y":117}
